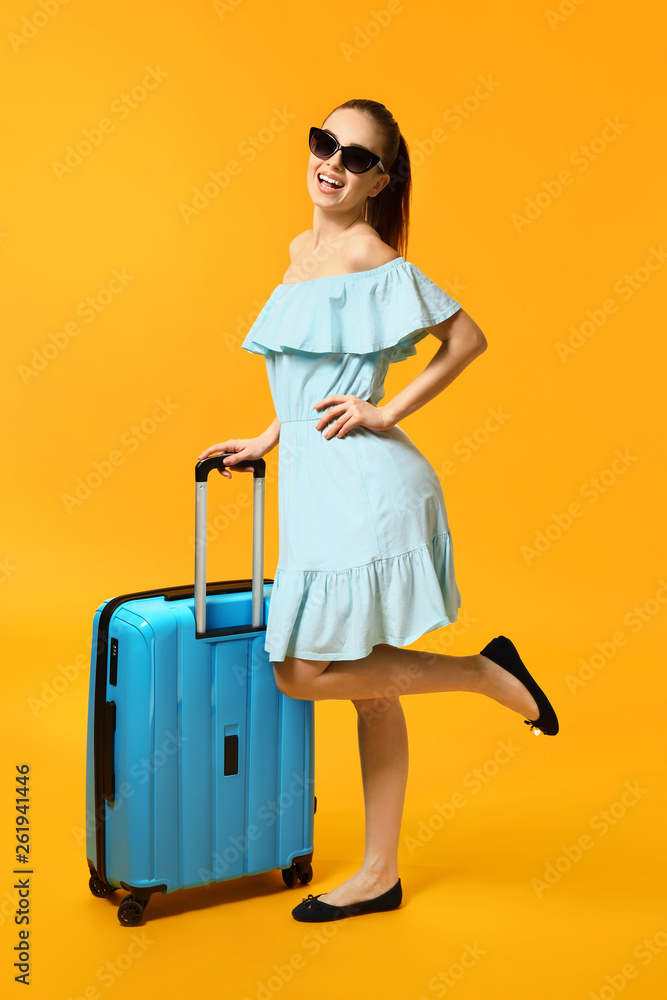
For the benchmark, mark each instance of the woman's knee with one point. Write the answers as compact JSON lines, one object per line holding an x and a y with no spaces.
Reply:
{"x":375,"y":705}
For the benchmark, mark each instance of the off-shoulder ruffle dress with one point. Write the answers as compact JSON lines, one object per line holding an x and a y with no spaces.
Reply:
{"x":365,"y":550}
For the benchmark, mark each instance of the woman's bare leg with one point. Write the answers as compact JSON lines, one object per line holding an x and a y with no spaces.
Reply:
{"x":374,"y":684}
{"x":390,"y":671}
{"x":383,"y":752}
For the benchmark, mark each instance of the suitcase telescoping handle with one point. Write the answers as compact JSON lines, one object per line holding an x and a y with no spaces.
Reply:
{"x":202,"y":470}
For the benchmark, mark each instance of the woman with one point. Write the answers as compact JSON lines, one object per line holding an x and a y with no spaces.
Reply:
{"x":366,"y":556}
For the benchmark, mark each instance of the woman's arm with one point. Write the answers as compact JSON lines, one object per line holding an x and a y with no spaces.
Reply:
{"x":462,"y":341}
{"x":271,"y":435}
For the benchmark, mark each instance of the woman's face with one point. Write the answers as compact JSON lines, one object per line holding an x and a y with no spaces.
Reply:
{"x":350,"y":127}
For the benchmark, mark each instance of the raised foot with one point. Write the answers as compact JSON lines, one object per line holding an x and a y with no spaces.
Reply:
{"x":506,"y":689}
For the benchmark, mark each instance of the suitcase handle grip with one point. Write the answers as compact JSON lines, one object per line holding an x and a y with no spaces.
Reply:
{"x":202,"y":470}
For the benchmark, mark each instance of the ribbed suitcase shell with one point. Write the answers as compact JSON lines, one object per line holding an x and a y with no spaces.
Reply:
{"x":198,"y":768}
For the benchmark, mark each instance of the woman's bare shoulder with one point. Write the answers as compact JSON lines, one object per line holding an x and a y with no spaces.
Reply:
{"x":299,"y":243}
{"x":360,"y":251}
{"x":365,"y":251}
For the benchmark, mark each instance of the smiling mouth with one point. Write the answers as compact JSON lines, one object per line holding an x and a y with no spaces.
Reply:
{"x":328,"y":182}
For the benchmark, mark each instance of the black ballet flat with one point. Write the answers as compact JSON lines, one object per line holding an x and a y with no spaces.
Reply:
{"x":313,"y":908}
{"x":503,"y":652}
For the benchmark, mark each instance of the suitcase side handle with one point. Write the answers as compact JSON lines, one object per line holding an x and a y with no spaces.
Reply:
{"x":202,"y":470}
{"x":108,"y":750}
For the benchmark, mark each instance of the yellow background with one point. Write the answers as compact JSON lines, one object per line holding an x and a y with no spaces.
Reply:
{"x":173,"y":334}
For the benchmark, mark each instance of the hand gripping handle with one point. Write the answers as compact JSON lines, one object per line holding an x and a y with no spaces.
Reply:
{"x":202,"y":470}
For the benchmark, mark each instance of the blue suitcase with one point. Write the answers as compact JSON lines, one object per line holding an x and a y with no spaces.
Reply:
{"x":198,"y":768}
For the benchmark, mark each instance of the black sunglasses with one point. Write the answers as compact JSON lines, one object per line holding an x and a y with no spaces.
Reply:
{"x":356,"y":159}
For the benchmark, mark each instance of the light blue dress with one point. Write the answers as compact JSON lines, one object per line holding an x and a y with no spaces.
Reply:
{"x":365,"y":550}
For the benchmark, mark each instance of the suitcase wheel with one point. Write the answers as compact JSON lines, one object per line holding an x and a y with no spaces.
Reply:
{"x":99,"y":888}
{"x":290,"y":875}
{"x":130,"y":911}
{"x":306,"y":875}
{"x":295,"y":874}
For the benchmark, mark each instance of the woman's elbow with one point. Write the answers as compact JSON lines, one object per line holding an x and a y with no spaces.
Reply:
{"x":476,"y":341}
{"x":472,"y":333}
